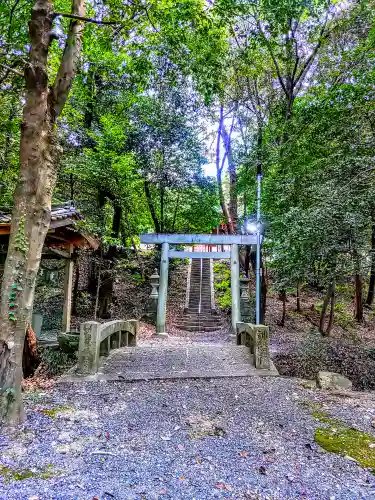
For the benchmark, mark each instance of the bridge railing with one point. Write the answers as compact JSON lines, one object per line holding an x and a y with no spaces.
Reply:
{"x":256,"y":337}
{"x":97,"y":339}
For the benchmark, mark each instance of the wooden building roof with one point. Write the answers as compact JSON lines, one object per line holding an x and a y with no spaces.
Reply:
{"x":63,"y":231}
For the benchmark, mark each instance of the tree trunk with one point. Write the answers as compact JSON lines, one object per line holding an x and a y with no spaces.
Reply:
{"x":283,"y":299}
{"x":223,"y":204}
{"x":330,"y":297}
{"x":358,"y":301}
{"x":30,"y":360}
{"x":33,"y":195}
{"x":151,"y":206}
{"x":247,"y":260}
{"x":175,"y":212}
{"x":219,"y":170}
{"x":162,"y":198}
{"x":298,"y":297}
{"x":116,"y":222}
{"x":130,"y":229}
{"x":332,"y":311}
{"x":371,"y":287}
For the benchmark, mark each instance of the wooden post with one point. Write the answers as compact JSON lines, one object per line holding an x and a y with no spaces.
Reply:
{"x":163,"y":287}
{"x":68,"y":285}
{"x":235,"y":285}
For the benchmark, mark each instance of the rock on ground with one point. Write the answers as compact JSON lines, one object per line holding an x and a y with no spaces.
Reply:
{"x":331,"y":380}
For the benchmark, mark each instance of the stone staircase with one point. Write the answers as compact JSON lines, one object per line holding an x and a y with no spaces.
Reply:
{"x":199,"y":316}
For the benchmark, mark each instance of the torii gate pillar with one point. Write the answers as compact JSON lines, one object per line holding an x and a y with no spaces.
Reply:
{"x":235,"y":285}
{"x":163,"y":287}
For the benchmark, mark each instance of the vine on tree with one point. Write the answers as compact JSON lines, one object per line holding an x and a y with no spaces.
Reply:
{"x":21,"y":244}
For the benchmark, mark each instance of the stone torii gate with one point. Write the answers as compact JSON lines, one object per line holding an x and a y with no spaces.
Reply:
{"x":197,"y":239}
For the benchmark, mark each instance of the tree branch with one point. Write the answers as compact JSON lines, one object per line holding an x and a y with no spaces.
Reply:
{"x":313,"y":54}
{"x":68,"y":66}
{"x":85,"y":19}
{"x":12,"y":70}
{"x":280,"y":78}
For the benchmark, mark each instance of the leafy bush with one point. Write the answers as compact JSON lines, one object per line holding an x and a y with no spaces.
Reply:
{"x":54,"y":361}
{"x":222,"y":285}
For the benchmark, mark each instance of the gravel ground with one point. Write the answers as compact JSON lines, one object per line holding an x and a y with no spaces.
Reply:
{"x":247,"y":438}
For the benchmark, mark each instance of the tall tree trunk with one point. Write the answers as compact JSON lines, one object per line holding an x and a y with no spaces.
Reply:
{"x":298,"y":297}
{"x":219,"y":169}
{"x":131,"y":232}
{"x":151,"y":206}
{"x":283,"y":299}
{"x":358,"y":301}
{"x":329,"y":298}
{"x":33,"y":194}
{"x":371,"y":287}
{"x":162,"y":199}
{"x":175,"y":212}
{"x":247,"y":260}
{"x":223,"y":204}
{"x":332,"y":311}
{"x":116,"y":222}
{"x":232,"y":172}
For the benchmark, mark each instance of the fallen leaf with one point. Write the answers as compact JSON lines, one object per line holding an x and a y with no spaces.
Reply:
{"x":243,"y":454}
{"x":163,"y":492}
{"x":166,"y":438}
{"x":182,"y":478}
{"x":262,"y":469}
{"x":33,"y":498}
{"x":224,"y":486}
{"x":180,"y":447}
{"x":198,"y":459}
{"x":107,"y":435}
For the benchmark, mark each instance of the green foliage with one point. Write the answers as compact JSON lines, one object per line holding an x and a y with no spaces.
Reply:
{"x":222,"y":285}
{"x":54,"y":361}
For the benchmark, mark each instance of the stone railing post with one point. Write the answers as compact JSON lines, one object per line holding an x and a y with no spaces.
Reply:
{"x":89,"y":347}
{"x":256,"y":337}
{"x":261,"y":346}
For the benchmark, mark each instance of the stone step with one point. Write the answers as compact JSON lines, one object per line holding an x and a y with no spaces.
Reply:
{"x":200,"y":328}
{"x":203,"y":314}
{"x":199,"y":321}
{"x":194,"y":308}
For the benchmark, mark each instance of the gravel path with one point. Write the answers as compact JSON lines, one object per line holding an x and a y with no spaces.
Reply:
{"x":247,"y":438}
